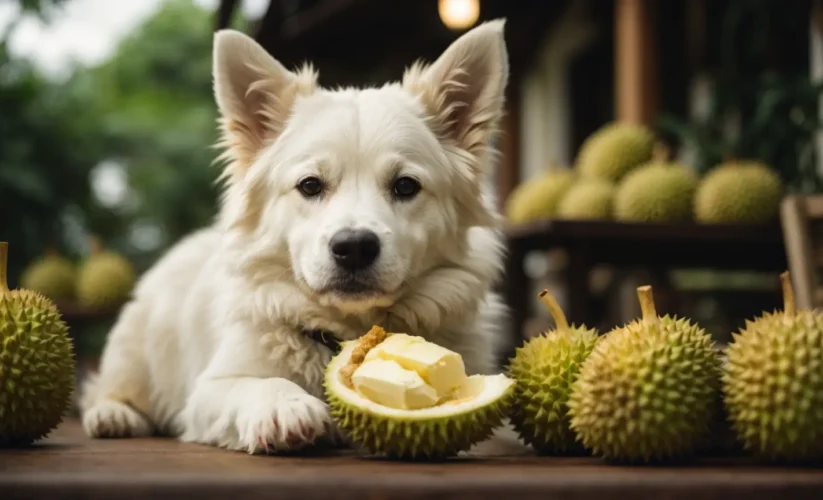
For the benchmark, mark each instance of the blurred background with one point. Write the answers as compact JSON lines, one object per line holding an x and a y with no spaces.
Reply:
{"x":107,"y":123}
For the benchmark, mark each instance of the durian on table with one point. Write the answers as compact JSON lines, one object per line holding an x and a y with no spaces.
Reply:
{"x":37,"y":365}
{"x":660,"y":190}
{"x":105,"y":279}
{"x":739,"y":192}
{"x":544,"y":369}
{"x":403,"y":397}
{"x":614,"y":150}
{"x":588,"y":199}
{"x":539,"y":197}
{"x":649,"y":389}
{"x":52,"y":275}
{"x":773,"y":382}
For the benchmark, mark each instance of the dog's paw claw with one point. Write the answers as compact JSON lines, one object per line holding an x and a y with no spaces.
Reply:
{"x":113,"y":419}
{"x":285,"y":424}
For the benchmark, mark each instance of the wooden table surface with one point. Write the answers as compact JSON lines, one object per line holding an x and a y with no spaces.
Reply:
{"x":69,"y":465}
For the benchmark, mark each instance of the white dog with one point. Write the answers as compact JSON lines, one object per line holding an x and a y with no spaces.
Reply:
{"x":342,"y":209}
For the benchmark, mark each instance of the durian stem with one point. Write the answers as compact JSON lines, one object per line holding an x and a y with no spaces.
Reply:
{"x":4,"y":262}
{"x":661,"y":152}
{"x":646,"y":298}
{"x":366,"y":343}
{"x":789,"y":306}
{"x":556,"y":312}
{"x":95,"y":244}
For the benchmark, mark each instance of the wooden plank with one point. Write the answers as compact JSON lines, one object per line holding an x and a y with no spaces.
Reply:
{"x":636,"y":86}
{"x":69,"y":465}
{"x":799,"y":249}
{"x":508,"y":169}
{"x":538,"y":234}
{"x":813,"y":206}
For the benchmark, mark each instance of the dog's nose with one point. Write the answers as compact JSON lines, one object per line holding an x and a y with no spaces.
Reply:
{"x":355,"y":249}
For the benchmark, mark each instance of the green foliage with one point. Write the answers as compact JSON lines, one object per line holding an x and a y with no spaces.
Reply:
{"x":765,"y":93}
{"x":158,"y":118}
{"x":149,"y":109}
{"x":47,"y":149}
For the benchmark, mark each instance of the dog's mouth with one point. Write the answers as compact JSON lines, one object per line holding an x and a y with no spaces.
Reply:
{"x":353,"y":286}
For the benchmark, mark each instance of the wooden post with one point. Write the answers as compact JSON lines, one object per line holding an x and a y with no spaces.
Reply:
{"x":636,"y":96}
{"x":508,"y":170}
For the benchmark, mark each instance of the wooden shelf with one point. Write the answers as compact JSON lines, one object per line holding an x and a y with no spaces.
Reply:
{"x":74,"y":313}
{"x":657,"y":247}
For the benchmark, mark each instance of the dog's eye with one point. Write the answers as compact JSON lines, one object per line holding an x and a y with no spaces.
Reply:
{"x":310,"y":186}
{"x":405,"y":188}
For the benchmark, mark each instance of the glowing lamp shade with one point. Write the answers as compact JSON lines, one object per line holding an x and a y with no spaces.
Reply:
{"x":459,"y":14}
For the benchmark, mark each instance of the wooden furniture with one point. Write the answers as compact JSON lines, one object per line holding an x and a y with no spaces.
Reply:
{"x":630,"y":245}
{"x":69,"y":465}
{"x":802,"y":220}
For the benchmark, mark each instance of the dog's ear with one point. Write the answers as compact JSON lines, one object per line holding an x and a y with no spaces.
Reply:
{"x":464,"y":89}
{"x":255,"y":94}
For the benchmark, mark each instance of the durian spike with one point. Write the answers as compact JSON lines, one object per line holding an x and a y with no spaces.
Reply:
{"x":789,"y":306}
{"x":661,"y":152}
{"x":548,"y":300}
{"x":4,"y":261}
{"x":646,"y":298}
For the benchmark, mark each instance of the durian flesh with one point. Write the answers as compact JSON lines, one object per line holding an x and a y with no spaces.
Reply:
{"x":369,"y":391}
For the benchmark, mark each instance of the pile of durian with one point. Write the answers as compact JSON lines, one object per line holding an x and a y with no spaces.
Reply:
{"x":103,"y":279}
{"x":624,"y":173}
{"x":655,"y":389}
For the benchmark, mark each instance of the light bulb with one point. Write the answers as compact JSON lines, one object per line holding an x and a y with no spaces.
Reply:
{"x":459,"y":14}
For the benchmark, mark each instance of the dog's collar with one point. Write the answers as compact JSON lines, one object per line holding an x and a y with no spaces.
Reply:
{"x":325,"y":338}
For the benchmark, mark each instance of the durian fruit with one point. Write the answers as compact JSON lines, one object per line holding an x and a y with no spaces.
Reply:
{"x":773,"y":383}
{"x":544,"y":369}
{"x":52,"y":275}
{"x":739,"y":192}
{"x":538,"y":198}
{"x":648,"y":390}
{"x":659,"y":191}
{"x":402,"y":397}
{"x":37,"y":366}
{"x":588,"y":199}
{"x":105,"y":278}
{"x":614,"y":150}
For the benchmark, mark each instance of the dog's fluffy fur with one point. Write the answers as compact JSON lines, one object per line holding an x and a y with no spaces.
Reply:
{"x":211,"y":349}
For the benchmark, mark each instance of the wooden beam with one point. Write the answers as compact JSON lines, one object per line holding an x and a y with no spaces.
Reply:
{"x":636,"y":82}
{"x":224,"y":13}
{"x":508,"y":168}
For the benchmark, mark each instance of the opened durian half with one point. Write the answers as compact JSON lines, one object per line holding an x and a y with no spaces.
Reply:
{"x":400,"y":396}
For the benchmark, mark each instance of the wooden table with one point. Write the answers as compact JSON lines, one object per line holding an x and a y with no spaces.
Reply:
{"x":69,"y":465}
{"x":633,"y":245}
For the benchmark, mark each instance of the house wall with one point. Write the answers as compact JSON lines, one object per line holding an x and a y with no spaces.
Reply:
{"x":545,"y":111}
{"x":816,"y":66}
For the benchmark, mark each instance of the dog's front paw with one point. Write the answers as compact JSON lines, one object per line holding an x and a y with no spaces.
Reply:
{"x":283,"y":418}
{"x":113,"y":419}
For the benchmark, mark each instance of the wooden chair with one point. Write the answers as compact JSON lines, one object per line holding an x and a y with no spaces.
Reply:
{"x":802,"y":221}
